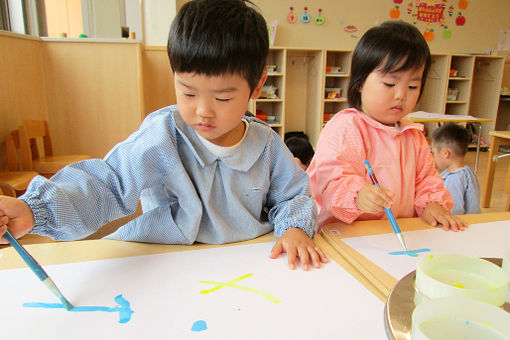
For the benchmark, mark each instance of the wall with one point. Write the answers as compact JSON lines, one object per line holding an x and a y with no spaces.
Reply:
{"x":22,"y":89}
{"x":484,"y":20}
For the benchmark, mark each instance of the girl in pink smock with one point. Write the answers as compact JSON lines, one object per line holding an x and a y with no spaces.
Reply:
{"x":388,"y":71}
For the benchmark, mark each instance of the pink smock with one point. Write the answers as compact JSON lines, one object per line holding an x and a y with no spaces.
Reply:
{"x":400,"y":157}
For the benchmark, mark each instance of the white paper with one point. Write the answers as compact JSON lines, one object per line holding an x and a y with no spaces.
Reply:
{"x":164,"y":293}
{"x":490,"y":239}
{"x":432,"y":115}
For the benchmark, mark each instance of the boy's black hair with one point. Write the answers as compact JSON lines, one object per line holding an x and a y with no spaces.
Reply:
{"x":300,"y":148}
{"x":394,"y":45}
{"x":453,"y":136}
{"x":216,"y":37}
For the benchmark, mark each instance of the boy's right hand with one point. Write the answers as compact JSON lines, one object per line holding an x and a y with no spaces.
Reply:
{"x":373,"y":199}
{"x":16,"y":215}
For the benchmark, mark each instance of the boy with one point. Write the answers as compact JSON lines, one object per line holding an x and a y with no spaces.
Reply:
{"x":203,"y":173}
{"x":449,"y":146}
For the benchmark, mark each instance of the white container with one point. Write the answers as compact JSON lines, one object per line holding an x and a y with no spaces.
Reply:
{"x":506,"y":263}
{"x":459,"y":318}
{"x":442,"y":275}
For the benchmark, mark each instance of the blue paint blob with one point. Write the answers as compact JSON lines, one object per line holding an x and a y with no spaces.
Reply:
{"x":199,"y":326}
{"x":412,"y":253}
{"x":123,"y":307}
{"x":467,"y":322}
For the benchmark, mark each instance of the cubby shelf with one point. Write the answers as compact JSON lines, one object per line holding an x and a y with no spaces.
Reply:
{"x":301,"y":79}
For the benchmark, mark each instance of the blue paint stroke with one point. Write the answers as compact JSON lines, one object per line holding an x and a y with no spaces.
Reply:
{"x":413,"y":253}
{"x":199,"y":326}
{"x":123,"y":308}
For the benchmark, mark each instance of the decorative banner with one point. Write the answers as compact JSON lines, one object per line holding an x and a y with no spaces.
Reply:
{"x":432,"y":12}
{"x":429,"y":13}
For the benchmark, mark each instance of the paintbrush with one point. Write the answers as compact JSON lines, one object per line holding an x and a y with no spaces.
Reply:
{"x":37,"y":269}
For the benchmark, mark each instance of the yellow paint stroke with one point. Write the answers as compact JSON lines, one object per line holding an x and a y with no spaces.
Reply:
{"x":268,"y":296}
{"x":459,"y":285}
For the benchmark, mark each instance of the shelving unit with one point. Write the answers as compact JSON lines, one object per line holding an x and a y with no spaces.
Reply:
{"x":302,"y":78}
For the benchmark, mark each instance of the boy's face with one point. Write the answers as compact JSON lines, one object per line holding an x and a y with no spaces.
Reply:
{"x":215,"y":105}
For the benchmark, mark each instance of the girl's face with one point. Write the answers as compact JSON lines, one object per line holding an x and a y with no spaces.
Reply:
{"x":389,"y":97}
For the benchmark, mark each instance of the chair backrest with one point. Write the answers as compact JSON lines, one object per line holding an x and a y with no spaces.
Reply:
{"x":30,"y":133}
{"x":7,"y":190}
{"x":13,"y":149}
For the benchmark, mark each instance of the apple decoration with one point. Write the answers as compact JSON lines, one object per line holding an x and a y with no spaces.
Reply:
{"x":463,"y":4}
{"x":460,"y":20}
{"x":397,"y":1}
{"x":395,"y":13}
{"x":429,"y":35}
{"x":447,"y":33}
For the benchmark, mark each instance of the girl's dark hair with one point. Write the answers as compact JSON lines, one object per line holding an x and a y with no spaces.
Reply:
{"x":453,"y":136}
{"x":394,"y":45}
{"x":216,"y":37}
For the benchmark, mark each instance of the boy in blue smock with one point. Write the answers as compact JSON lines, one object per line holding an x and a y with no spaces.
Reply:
{"x":203,"y":171}
{"x":449,"y":146}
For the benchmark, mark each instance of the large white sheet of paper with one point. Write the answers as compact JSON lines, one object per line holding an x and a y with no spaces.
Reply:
{"x":164,"y":292}
{"x":480,"y":240}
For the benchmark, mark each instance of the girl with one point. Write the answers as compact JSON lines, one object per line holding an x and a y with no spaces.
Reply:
{"x":388,"y":71}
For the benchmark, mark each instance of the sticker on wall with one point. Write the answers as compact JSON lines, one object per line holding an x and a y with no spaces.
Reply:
{"x":450,"y":10}
{"x":463,"y":4}
{"x":291,"y":18}
{"x":319,"y":19}
{"x":460,"y":20}
{"x":305,"y":17}
{"x":395,"y":12}
{"x":447,"y":33}
{"x":350,"y":29}
{"x":429,"y":34}
{"x":410,"y":8}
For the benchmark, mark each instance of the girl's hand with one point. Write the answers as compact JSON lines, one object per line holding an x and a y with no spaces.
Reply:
{"x":373,"y":199}
{"x":16,"y":215}
{"x":296,"y":243}
{"x":435,"y":214}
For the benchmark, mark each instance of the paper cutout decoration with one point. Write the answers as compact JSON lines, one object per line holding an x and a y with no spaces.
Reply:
{"x":463,"y":4}
{"x":395,"y":13}
{"x":460,"y":20}
{"x":319,"y":19}
{"x":447,"y":33}
{"x":291,"y":17}
{"x":305,"y":17}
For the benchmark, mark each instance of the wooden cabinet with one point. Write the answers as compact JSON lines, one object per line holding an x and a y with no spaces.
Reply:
{"x":311,"y":86}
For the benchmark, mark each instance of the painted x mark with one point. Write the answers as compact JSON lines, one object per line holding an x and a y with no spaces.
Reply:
{"x":232,"y":284}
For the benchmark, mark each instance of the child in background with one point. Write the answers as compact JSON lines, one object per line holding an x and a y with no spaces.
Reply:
{"x":449,"y":146}
{"x":388,"y":71}
{"x":204,"y":173}
{"x":301,"y":149}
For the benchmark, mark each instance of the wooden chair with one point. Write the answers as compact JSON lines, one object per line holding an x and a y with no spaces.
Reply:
{"x":31,"y":133}
{"x":16,"y":179}
{"x":7,"y":190}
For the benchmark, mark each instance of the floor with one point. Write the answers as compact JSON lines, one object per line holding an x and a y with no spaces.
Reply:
{"x":499,"y":197}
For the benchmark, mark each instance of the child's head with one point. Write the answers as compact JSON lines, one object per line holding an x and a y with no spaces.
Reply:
{"x":301,"y":149}
{"x":219,"y":37}
{"x":217,"y":50}
{"x":388,"y":71}
{"x":450,"y":144}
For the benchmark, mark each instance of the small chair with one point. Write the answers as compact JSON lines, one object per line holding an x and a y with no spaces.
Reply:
{"x":16,"y":179}
{"x":30,"y":133}
{"x":7,"y":190}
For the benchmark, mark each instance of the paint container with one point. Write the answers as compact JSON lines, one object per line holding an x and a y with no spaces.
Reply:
{"x":506,"y":263}
{"x":443,"y":275}
{"x":459,"y":318}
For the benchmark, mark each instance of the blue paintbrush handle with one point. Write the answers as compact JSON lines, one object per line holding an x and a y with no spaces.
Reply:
{"x":393,"y":221}
{"x":29,"y":260}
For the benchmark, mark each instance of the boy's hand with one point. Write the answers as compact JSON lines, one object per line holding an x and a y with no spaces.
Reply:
{"x":296,"y":243}
{"x":373,"y":199}
{"x":435,"y":214}
{"x":17,"y":215}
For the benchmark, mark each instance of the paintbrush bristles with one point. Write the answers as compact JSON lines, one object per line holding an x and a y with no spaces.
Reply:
{"x":51,"y":285}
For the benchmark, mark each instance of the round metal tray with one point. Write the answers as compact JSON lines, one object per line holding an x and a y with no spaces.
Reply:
{"x":399,"y":306}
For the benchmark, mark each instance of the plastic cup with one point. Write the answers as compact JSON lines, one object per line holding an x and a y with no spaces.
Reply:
{"x":442,"y":275}
{"x":459,"y":318}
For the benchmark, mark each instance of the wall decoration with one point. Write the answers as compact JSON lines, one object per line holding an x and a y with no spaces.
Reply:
{"x":432,"y":13}
{"x":319,"y":19}
{"x":291,"y":18}
{"x":305,"y":17}
{"x":350,"y":29}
